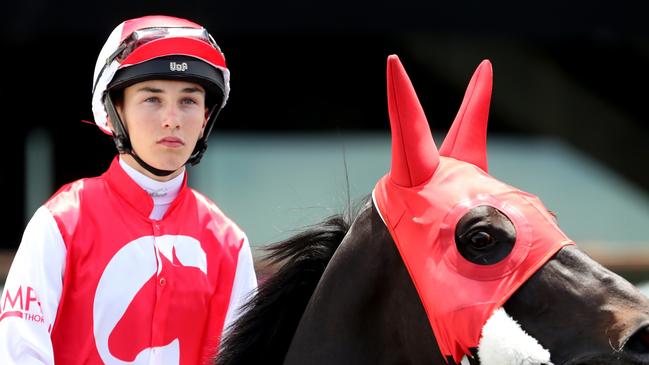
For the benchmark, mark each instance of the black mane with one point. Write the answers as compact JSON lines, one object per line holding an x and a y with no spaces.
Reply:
{"x":271,"y":316}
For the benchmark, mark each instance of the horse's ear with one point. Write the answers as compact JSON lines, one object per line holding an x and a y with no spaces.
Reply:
{"x":414,"y":154}
{"x":467,"y":138}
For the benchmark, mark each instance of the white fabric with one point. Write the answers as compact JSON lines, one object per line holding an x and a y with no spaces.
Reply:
{"x":162,"y":192}
{"x":504,"y":342}
{"x":39,"y":264}
{"x":245,"y":285}
{"x":377,"y":210}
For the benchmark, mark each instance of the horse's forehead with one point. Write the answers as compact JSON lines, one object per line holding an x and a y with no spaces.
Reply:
{"x":460,"y":183}
{"x":422,"y":222}
{"x":456,"y":180}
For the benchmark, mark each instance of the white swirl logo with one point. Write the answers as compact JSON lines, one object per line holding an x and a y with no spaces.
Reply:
{"x":126,"y":273}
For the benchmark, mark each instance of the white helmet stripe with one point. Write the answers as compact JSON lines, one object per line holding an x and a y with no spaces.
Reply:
{"x":107,"y":50}
{"x":98,"y":109}
{"x":99,"y":86}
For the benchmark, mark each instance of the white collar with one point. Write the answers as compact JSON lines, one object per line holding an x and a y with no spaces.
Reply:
{"x":162,"y":192}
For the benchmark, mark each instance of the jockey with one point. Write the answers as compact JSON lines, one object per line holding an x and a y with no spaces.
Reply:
{"x":133,"y":266}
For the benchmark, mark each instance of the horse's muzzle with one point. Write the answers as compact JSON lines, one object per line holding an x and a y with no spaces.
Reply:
{"x":637,"y":346}
{"x":634,"y":352}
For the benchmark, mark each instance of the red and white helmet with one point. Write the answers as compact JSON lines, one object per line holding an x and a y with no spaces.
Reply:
{"x":158,"y":47}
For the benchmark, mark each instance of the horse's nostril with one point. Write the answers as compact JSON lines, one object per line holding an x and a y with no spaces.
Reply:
{"x":639,"y":342}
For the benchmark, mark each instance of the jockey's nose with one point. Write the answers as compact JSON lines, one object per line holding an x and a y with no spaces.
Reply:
{"x":171,"y":117}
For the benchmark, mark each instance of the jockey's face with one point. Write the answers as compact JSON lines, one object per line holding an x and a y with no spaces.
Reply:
{"x":164,"y":120}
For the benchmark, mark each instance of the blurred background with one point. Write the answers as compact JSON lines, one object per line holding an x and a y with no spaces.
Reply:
{"x":306,"y":132}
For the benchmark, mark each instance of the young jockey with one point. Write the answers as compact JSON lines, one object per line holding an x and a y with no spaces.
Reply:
{"x":133,"y":266}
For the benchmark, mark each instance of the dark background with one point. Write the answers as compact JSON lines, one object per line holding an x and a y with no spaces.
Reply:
{"x":300,"y":66}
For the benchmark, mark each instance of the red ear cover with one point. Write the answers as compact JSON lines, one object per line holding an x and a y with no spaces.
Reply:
{"x":467,"y":139}
{"x":414,"y":154}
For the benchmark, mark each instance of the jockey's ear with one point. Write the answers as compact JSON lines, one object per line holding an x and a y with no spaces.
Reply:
{"x":414,"y":154}
{"x":467,"y":138}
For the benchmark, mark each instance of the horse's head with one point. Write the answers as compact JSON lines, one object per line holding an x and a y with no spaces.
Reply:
{"x":473,"y":244}
{"x":478,"y":252}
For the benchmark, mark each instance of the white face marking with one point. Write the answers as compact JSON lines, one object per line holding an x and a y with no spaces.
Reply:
{"x":504,"y":342}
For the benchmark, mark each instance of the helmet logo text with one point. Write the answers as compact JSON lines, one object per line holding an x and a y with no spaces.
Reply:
{"x":173,"y":66}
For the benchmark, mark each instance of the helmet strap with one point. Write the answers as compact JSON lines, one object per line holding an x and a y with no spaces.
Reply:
{"x":149,"y":168}
{"x":123,"y":142}
{"x":201,"y":144}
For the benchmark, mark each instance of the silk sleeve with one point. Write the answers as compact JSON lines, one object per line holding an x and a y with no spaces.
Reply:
{"x":32,"y":292}
{"x":245,"y":284}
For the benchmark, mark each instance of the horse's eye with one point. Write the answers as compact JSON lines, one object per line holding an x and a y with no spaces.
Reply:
{"x":482,"y":240}
{"x":485,"y":235}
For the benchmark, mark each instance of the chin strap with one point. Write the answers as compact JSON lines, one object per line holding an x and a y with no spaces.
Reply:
{"x":122,"y":142}
{"x":149,"y":168}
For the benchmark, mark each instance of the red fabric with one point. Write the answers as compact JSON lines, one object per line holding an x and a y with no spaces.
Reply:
{"x":98,"y":218}
{"x":175,"y":46}
{"x":411,"y":141}
{"x":458,"y":295}
{"x":468,"y":141}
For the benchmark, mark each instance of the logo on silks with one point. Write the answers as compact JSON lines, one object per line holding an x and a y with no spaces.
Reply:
{"x":126,"y":274}
{"x":429,"y":193}
{"x":22,"y":302}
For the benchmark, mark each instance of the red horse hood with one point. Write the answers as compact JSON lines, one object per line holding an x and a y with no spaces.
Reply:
{"x":427,"y":192}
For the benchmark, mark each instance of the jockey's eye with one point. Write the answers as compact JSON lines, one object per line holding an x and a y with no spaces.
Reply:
{"x":484,"y":235}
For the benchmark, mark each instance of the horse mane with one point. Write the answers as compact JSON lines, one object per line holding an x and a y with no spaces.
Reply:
{"x":265,"y":330}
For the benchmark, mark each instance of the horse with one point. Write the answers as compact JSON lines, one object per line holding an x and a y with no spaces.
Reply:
{"x":443,"y":264}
